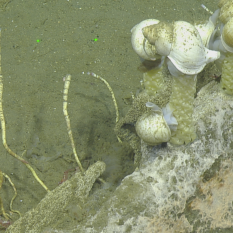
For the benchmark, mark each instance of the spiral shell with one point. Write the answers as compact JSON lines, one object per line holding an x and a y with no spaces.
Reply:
{"x":226,"y":11}
{"x":227,"y":36}
{"x":206,"y":30}
{"x":152,"y":128}
{"x":140,"y":45}
{"x":160,"y":35}
{"x":182,"y":44}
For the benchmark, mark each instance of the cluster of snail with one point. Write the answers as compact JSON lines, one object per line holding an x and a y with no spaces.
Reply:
{"x":185,"y":49}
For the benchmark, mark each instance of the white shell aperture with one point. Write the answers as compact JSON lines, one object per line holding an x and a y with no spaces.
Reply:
{"x":140,"y":45}
{"x":182,"y":45}
{"x":152,"y":128}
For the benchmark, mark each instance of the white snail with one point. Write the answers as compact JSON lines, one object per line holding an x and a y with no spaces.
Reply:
{"x":182,"y":44}
{"x":226,"y":10}
{"x":154,"y":127}
{"x":206,"y":30}
{"x":140,"y":45}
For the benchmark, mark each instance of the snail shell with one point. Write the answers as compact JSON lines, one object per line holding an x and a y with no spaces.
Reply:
{"x":182,"y":44}
{"x":160,"y":35}
{"x":152,"y":128}
{"x":206,"y":29}
{"x":222,"y":2}
{"x":226,"y":11}
{"x":227,"y":36}
{"x":141,"y":46}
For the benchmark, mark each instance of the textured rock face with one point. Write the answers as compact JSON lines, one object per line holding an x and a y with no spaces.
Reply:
{"x":158,"y":194}
{"x":176,"y":188}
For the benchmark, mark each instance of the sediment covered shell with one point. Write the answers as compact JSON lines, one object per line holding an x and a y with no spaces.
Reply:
{"x":182,"y":44}
{"x":160,"y":35}
{"x":141,"y":46}
{"x":152,"y":128}
{"x":227,"y":36}
{"x":226,"y":11}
